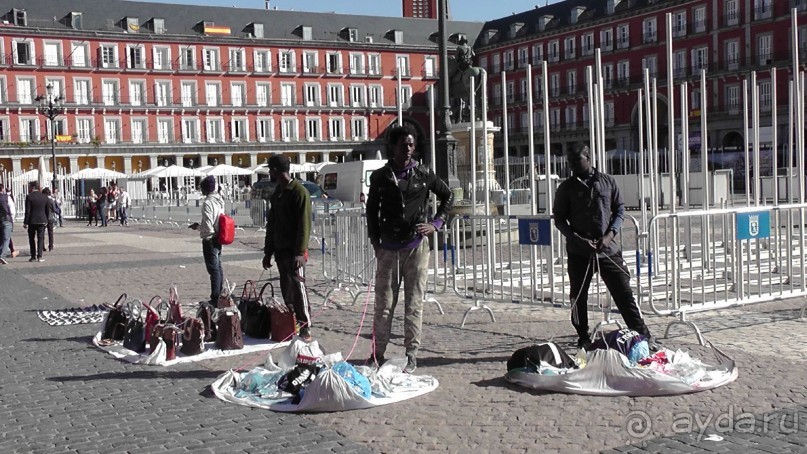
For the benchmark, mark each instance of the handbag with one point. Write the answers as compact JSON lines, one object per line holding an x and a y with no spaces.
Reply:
{"x":156,"y":329}
{"x":205,"y":315}
{"x":254,"y":315}
{"x":193,"y":337}
{"x":135,"y":337}
{"x":282,"y":321}
{"x":228,"y":321}
{"x":116,"y":320}
{"x":153,"y":318}
{"x":175,"y":309}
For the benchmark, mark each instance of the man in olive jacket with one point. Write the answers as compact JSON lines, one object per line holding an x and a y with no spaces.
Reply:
{"x":287,"y":232}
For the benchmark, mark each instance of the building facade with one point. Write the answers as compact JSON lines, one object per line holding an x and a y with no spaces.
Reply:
{"x":424,"y":9}
{"x":144,"y":84}
{"x":727,"y":38}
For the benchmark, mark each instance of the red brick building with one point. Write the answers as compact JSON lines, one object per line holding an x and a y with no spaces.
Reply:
{"x":424,"y":9}
{"x":728,"y":38}
{"x":145,"y":83}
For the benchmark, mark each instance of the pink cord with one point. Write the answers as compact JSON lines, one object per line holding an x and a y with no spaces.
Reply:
{"x":361,"y":325}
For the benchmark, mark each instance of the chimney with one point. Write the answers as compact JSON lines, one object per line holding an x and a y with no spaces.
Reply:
{"x":611,"y":5}
{"x":267,"y":5}
{"x":576,"y":12}
{"x":543,"y":20}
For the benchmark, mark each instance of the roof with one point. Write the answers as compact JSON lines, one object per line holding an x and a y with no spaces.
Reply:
{"x":109,"y":16}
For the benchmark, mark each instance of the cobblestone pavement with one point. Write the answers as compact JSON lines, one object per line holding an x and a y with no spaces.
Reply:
{"x":59,"y":394}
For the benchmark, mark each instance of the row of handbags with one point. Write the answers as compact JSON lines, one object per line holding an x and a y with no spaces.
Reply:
{"x":265,"y":317}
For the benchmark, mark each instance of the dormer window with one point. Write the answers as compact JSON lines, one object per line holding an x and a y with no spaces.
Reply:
{"x":395,"y":36}
{"x":353,"y":35}
{"x":132,"y":25}
{"x":257,"y":30}
{"x":308,"y":33}
{"x":20,"y":17}
{"x":75,"y":21}
{"x":158,"y":26}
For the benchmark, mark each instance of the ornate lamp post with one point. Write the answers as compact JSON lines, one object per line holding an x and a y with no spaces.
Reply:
{"x":51,"y":107}
{"x":446,"y":165}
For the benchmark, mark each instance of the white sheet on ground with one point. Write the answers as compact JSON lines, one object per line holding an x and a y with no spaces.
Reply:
{"x":329,"y":391}
{"x":608,"y":373}
{"x":158,"y":357}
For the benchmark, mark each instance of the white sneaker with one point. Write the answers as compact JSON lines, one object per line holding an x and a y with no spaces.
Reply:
{"x":3,"y":261}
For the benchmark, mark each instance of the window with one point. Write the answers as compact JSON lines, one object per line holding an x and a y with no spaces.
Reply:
{"x":587,"y":44}
{"x":679,"y":24}
{"x":162,"y":93}
{"x":286,"y":61}
{"x":764,"y":49}
{"x":158,"y":25}
{"x":483,"y":62}
{"x":508,"y":60}
{"x":554,"y":84}
{"x":538,"y":87}
{"x":211,"y":59}
{"x":136,"y":91}
{"x":78,"y":55}
{"x":623,"y":72}
{"x":650,"y":64}
{"x":84,"y":129}
{"x":374,"y":65}
{"x":190,"y":130}
{"x":403,"y":65}
{"x":237,"y":94}
{"x":262,"y":61}
{"x":763,"y":9}
{"x":23,"y":52}
{"x":239,"y":130}
{"x":765,"y":95}
{"x":187,"y":59}
{"x":607,"y":39}
{"x":336,"y":129}
{"x":111,"y":130}
{"x":609,"y":113}
{"x":257,"y":30}
{"x":59,"y":127}
{"x":81,"y":91}
{"x":20,"y":17}
{"x":524,"y":93}
{"x":733,"y":99}
{"x":554,"y":118}
{"x":262,"y":91}
{"x":731,"y":17}
{"x":288,"y":129}
{"x":164,"y":130}
{"x":356,"y":63}
{"x":287,"y":94}
{"x":25,"y":91}
{"x":357,"y":95}
{"x":358,"y":126}
{"x":310,"y":62}
{"x":109,"y":92}
{"x":353,"y":35}
{"x":568,"y":45}
{"x":679,"y":64}
{"x":695,"y":103}
{"x":649,"y":28}
{"x":375,"y":95}
{"x":406,"y":96}
{"x":312,"y":94}
{"x":109,"y":55}
{"x":3,"y":93}
{"x":429,"y":67}
{"x":139,"y":134}
{"x":29,"y":129}
{"x":53,"y":54}
{"x":134,"y":57}
{"x":537,"y":54}
{"x":214,"y":130}
{"x":308,"y":34}
{"x":312,"y":129}
{"x":264,"y":130}
{"x":608,"y":76}
{"x":571,"y":81}
{"x":700,"y":59}
{"x":571,"y":117}
{"x":335,"y":95}
{"x":57,"y":84}
{"x":523,"y":57}
{"x":732,"y":55}
{"x":161,"y":58}
{"x":188,"y":94}
{"x":623,"y":36}
{"x":496,"y":62}
{"x":212,"y":97}
{"x":497,"y":95}
{"x":699,"y":19}
{"x":511,"y":91}
{"x":334,"y":63}
{"x":237,"y":61}
{"x":554,"y":51}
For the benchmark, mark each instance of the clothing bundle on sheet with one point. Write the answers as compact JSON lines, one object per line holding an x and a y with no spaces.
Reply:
{"x":619,"y":363}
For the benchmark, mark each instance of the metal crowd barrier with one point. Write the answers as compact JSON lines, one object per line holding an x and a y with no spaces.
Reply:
{"x":707,"y":260}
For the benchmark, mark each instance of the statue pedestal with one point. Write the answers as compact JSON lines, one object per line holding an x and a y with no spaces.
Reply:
{"x":484,"y":160}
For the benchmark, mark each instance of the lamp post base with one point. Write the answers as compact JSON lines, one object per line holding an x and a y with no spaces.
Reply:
{"x":446,"y":165}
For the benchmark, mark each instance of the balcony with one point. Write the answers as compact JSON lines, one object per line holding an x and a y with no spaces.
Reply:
{"x":569,"y":55}
{"x":699,"y":26}
{"x":732,"y":63}
{"x":313,"y":71}
{"x":235,"y":68}
{"x":430,"y":74}
{"x":679,"y":31}
{"x":763,"y":12}
{"x":623,"y":43}
{"x":730,"y":20}
{"x":649,"y":37}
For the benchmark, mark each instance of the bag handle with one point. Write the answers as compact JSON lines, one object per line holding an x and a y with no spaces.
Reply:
{"x":268,"y":284}
{"x":173,"y":295}
{"x":250,"y":291}
{"x":121,"y":300}
{"x":133,"y":305}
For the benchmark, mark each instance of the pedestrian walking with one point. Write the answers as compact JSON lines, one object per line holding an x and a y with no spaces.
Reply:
{"x":397,"y":225}
{"x":102,"y":205}
{"x":37,"y":213}
{"x":589,"y":212}
{"x":212,"y":208}
{"x":124,"y":203}
{"x":92,"y":208}
{"x":287,"y":233}
{"x":58,"y":202}
{"x":12,"y":208}
{"x":5,"y":226}
{"x":53,"y":219}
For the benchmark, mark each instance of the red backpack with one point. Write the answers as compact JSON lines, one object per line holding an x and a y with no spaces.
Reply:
{"x":226,"y":233}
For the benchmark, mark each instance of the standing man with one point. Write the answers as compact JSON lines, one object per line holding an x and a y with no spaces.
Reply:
{"x":212,"y":208}
{"x":125,"y":203}
{"x":589,"y":212}
{"x":37,"y":213}
{"x":287,"y":233}
{"x":52,"y":219}
{"x":58,"y":202}
{"x":397,"y":225}
{"x":5,"y":226}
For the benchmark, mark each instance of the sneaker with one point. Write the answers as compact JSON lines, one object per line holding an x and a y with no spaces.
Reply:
{"x":584,"y":343}
{"x":652,"y":345}
{"x":374,"y":360}
{"x":3,"y":261}
{"x":305,"y":334}
{"x":32,"y":259}
{"x":40,"y":259}
{"x":411,"y":364}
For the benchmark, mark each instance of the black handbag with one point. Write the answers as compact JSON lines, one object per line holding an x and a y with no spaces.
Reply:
{"x":116,"y":320}
{"x":255,"y":320}
{"x":135,"y":337}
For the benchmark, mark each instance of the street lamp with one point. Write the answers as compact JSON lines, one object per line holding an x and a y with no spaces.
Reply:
{"x":446,"y":165}
{"x":50,"y":106}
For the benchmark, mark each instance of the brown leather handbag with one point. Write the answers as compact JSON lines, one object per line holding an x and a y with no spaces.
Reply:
{"x":193,"y":337}
{"x":228,"y":321}
{"x":205,"y":315}
{"x":116,"y":320}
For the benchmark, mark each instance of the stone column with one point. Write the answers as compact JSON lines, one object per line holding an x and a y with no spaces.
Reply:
{"x":253,"y":160}
{"x":301,"y":157}
{"x":153,"y":161}
{"x":16,"y":165}
{"x":127,"y":165}
{"x":228,"y":159}
{"x":74,"y":164}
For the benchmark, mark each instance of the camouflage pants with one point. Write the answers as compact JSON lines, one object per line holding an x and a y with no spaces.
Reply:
{"x":411,"y":267}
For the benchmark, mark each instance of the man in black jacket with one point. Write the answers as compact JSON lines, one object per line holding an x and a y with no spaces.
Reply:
{"x":397,"y":225}
{"x":37,"y":213}
{"x":589,"y":212}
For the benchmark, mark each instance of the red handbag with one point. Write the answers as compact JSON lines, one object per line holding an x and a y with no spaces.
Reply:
{"x":282,"y":321}
{"x":152,"y":317}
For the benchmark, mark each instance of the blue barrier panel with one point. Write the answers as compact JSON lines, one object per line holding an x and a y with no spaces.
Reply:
{"x":753,"y":225}
{"x":536,"y":232}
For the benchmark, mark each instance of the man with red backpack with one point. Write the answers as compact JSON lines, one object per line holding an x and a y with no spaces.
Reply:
{"x":212,"y":209}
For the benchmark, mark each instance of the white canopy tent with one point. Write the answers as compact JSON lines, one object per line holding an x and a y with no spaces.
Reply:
{"x":33,"y":175}
{"x":263,"y":169}
{"x":175,"y":171}
{"x":96,"y":174}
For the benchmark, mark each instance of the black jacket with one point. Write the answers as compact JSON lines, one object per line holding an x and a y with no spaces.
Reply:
{"x":37,"y":209}
{"x":393,"y":213}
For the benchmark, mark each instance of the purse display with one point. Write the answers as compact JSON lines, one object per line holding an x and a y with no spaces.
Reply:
{"x":135,"y":337}
{"x":228,"y":321}
{"x":282,"y":321}
{"x":116,"y":320}
{"x":205,"y":315}
{"x":153,"y":318}
{"x":193,"y":337}
{"x":254,"y":314}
